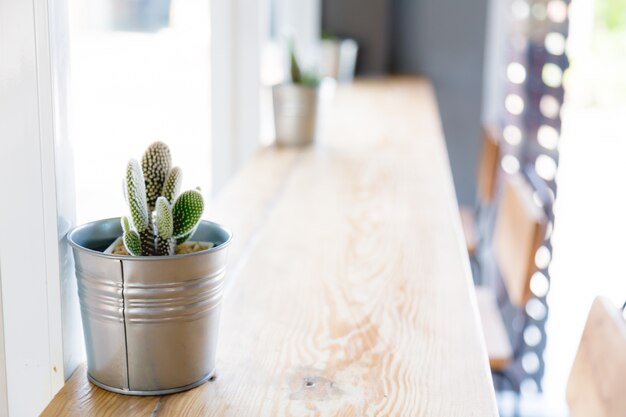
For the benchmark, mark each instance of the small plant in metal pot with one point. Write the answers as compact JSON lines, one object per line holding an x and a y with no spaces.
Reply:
{"x":150,"y":284}
{"x":160,"y":218}
{"x":296,"y":105}
{"x":338,"y":57}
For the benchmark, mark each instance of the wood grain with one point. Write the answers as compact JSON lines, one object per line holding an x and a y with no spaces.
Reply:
{"x":497,"y":341}
{"x":598,"y":376}
{"x":519,"y":231}
{"x":352,"y":294}
{"x":80,"y":398}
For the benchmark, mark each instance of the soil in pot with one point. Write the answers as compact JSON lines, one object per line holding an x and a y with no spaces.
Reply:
{"x":183,"y":248}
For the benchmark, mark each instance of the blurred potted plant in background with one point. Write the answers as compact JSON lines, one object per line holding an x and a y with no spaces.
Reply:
{"x":296,"y":105}
{"x":150,"y":285}
{"x":338,"y":57}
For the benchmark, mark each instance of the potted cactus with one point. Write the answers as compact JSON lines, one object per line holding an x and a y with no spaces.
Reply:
{"x":338,"y":57}
{"x":161,"y":219}
{"x":296,"y":105}
{"x":150,"y":284}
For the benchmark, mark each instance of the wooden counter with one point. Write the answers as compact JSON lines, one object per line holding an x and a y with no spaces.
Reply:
{"x":349,"y":286}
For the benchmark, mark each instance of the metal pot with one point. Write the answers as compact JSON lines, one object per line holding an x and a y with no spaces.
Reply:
{"x":338,"y":59}
{"x":295,"y":113}
{"x":150,"y":322}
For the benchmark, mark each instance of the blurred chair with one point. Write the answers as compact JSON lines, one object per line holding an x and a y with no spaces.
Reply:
{"x":519,"y":231}
{"x":598,"y":377}
{"x":486,"y":184}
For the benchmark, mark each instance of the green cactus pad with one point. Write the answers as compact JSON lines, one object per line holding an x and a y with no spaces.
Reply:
{"x":296,"y":74}
{"x":156,"y":164}
{"x":185,"y":237}
{"x":172,"y":184}
{"x":126,"y":226}
{"x":165,"y":247}
{"x":132,"y":242}
{"x":164,"y":220}
{"x":187,"y":212}
{"x":135,"y":189}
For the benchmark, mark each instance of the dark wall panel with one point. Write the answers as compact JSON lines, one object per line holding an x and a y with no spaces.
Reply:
{"x":444,"y":39}
{"x":366,"y":21}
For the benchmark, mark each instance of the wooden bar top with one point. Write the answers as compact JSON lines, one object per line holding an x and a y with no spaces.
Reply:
{"x":349,"y":288}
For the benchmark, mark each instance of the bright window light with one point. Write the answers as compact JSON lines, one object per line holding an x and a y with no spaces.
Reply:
{"x":545,"y":167}
{"x":552,"y":75}
{"x":549,"y":106}
{"x":516,"y":73}
{"x":539,"y":284}
{"x":548,"y":137}
{"x":542,"y":257}
{"x":514,"y":104}
{"x":557,"y":11}
{"x":512,"y":135}
{"x":555,"y":43}
{"x":510,"y":164}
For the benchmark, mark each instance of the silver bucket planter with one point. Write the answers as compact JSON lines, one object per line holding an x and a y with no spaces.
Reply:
{"x":296,"y":110}
{"x":150,"y":322}
{"x":338,"y":59}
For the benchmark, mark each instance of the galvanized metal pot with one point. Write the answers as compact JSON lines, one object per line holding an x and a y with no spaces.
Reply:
{"x":150,"y":322}
{"x":295,"y":113}
{"x":338,"y":59}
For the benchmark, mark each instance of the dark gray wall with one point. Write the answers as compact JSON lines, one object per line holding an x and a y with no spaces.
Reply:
{"x":366,"y":21}
{"x":444,"y":39}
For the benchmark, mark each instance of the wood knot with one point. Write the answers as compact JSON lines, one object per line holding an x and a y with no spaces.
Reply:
{"x":312,"y":387}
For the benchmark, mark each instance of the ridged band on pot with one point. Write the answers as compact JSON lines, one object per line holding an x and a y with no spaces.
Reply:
{"x":150,"y":322}
{"x":295,"y":113}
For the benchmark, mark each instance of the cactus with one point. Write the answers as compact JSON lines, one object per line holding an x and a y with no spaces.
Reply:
{"x":171,"y":186}
{"x":156,"y":164}
{"x":306,"y":78}
{"x":140,"y":215}
{"x":166,"y":243}
{"x":186,"y":212}
{"x":296,"y":74}
{"x":159,"y":219}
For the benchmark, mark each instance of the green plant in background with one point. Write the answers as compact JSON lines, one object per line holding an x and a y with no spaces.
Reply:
{"x":159,"y":219}
{"x":327,"y":36}
{"x":612,"y":14}
{"x":306,"y":78}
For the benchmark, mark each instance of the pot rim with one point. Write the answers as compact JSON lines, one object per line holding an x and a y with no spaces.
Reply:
{"x":297,"y":85}
{"x":75,"y":245}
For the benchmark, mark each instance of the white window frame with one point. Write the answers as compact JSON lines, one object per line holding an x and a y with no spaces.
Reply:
{"x":29,"y":236}
{"x":236,"y":39}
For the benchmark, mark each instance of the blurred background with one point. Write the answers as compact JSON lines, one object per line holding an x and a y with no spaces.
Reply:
{"x":547,"y":76}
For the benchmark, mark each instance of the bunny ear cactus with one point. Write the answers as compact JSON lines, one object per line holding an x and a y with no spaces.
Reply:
{"x":141,"y":218}
{"x":156,"y":164}
{"x":159,"y":219}
{"x":171,"y":186}
{"x":166,"y":244}
{"x":187,"y":211}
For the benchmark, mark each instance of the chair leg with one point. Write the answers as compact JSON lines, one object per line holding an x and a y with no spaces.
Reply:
{"x":476,"y":272}
{"x":514,"y":387}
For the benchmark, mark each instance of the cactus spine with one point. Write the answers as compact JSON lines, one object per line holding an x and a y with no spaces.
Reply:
{"x":159,"y":219}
